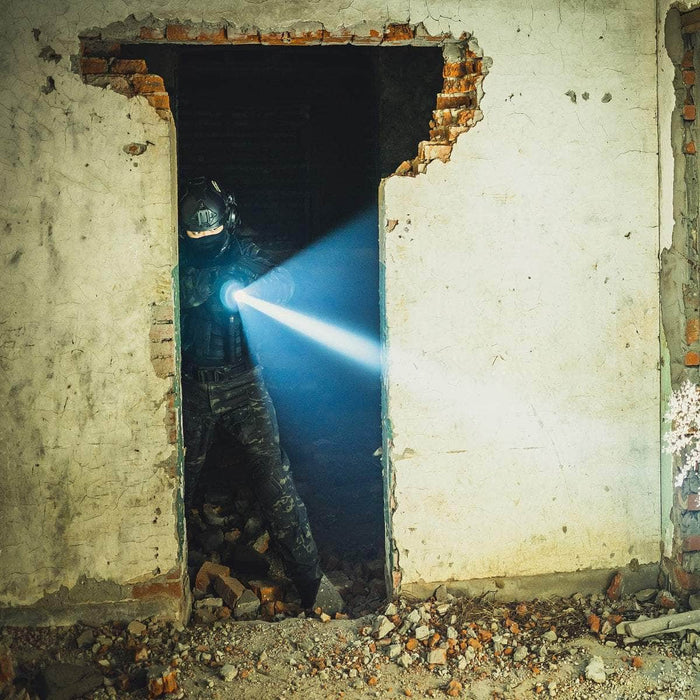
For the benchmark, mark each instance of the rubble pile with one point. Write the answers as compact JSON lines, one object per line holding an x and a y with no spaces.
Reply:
{"x":446,"y":646}
{"x":227,"y":538}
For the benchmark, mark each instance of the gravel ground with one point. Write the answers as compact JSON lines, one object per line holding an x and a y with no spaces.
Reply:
{"x":442,"y":647}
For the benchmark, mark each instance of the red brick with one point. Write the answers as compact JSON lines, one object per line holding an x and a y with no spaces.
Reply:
{"x":267,"y":591}
{"x":464,"y":84}
{"x":242,"y":37}
{"x":147,"y":83}
{"x":615,"y":588}
{"x":398,"y":33}
{"x":92,"y":66}
{"x":342,"y":36}
{"x":454,"y":70}
{"x":161,"y":331}
{"x":162,"y":684}
{"x":693,"y":502}
{"x":465,"y":100}
{"x":213,"y":36}
{"x":159,"y":100}
{"x":117,"y":83}
{"x":372,"y":39}
{"x":157,"y":589}
{"x":151,"y":34}
{"x":692,"y":359}
{"x":689,"y":77}
{"x":593,"y":623}
{"x":466,"y":117}
{"x":691,"y":543}
{"x":428,"y":151}
{"x":689,"y":113}
{"x":162,"y":313}
{"x":440,"y":133}
{"x":180,"y":32}
{"x":687,"y":62}
{"x":100,"y":49}
{"x":455,"y":131}
{"x":443,"y":117}
{"x":207,"y":572}
{"x":690,"y":148}
{"x":127,"y":66}
{"x":692,"y":330}
{"x":164,"y":366}
{"x":681,"y":580}
{"x":275,"y":38}
{"x":229,"y":588}
{"x":310,"y":35}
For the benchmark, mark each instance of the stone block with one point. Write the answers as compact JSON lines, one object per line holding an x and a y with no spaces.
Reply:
{"x":247,"y":606}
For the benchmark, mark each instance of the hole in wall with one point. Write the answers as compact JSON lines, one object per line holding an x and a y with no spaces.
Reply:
{"x":303,"y":136}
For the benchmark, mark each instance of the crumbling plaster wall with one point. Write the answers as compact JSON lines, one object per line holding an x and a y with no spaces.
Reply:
{"x":88,"y":249}
{"x":522,"y":308}
{"x":521,"y":303}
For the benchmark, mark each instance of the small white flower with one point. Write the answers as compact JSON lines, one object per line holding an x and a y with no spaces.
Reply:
{"x":682,"y":440}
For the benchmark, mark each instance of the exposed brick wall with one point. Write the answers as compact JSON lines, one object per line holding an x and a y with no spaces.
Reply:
{"x":456,"y":109}
{"x":681,"y":566}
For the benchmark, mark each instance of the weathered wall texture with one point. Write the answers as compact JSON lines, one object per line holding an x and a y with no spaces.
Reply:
{"x":521,"y":306}
{"x":679,"y":62}
{"x":88,"y":249}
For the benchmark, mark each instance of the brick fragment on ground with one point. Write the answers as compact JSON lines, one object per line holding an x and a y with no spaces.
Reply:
{"x":593,"y":623}
{"x":161,"y":681}
{"x":454,"y":688}
{"x":229,"y":588}
{"x":206,"y":574}
{"x":267,"y":591}
{"x":614,"y":591}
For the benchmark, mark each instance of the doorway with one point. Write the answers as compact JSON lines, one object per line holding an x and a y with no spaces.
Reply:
{"x":303,"y":136}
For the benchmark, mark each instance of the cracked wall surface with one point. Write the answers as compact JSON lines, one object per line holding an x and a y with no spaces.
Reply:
{"x":521,"y":303}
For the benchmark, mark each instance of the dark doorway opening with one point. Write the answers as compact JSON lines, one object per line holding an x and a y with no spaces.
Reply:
{"x":303,"y":136}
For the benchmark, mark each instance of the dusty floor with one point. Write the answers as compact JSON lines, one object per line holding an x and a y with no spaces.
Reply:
{"x":444,"y":647}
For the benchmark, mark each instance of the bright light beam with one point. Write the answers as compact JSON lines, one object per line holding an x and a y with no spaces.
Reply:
{"x":363,"y":350}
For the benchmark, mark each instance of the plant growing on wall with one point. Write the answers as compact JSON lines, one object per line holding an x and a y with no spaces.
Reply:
{"x":683,"y":439}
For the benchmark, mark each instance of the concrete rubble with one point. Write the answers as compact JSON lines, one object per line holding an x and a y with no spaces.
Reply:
{"x":231,"y":555}
{"x":445,"y":646}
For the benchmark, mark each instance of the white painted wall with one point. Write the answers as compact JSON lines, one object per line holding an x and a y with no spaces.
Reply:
{"x":522,"y":306}
{"x":87,"y":247}
{"x":521,"y":299}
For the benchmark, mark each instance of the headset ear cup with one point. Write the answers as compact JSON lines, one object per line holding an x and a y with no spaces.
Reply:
{"x":232,"y":219}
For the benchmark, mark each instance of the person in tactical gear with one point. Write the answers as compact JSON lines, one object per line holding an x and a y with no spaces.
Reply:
{"x":221,"y":384}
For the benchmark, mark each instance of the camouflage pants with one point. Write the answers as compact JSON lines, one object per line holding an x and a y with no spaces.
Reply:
{"x":242,"y":406}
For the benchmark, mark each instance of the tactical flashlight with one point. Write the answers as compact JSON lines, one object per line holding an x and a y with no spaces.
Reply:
{"x":231,"y":293}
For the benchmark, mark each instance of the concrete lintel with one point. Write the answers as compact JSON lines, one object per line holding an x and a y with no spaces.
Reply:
{"x":542,"y":585}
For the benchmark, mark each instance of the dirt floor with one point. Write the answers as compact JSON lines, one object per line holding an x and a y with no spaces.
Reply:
{"x":442,"y":647}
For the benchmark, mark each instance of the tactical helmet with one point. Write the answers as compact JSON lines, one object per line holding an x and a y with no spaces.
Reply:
{"x":203,"y":206}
